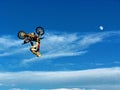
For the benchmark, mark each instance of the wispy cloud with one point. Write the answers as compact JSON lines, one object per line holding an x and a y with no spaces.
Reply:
{"x":55,"y":45}
{"x":68,"y":89}
{"x":18,"y":89}
{"x":102,"y":78}
{"x":8,"y":41}
{"x":50,"y":56}
{"x":90,"y":39}
{"x":60,"y":45}
{"x":14,"y":51}
{"x":10,"y":46}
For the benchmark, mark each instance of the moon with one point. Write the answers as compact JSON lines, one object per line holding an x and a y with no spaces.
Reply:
{"x":101,"y":27}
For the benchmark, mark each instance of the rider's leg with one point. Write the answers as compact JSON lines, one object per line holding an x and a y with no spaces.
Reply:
{"x":33,"y":49}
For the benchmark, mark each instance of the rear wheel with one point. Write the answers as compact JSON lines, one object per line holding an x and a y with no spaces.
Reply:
{"x":40,"y":30}
{"x":21,"y":35}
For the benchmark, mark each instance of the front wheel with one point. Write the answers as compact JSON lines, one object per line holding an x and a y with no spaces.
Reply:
{"x":40,"y":30}
{"x":21,"y":35}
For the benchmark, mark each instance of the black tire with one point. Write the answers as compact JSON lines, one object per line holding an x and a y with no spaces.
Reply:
{"x":40,"y":30}
{"x":21,"y":35}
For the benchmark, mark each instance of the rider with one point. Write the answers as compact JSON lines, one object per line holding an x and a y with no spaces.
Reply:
{"x":34,"y":47}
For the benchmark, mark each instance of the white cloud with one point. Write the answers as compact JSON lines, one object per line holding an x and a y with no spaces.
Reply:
{"x":92,"y":78}
{"x":10,"y":46}
{"x":17,"y":89}
{"x":56,"y":55}
{"x":90,"y":39}
{"x":94,"y":38}
{"x":68,"y":89}
{"x":62,"y":45}
{"x":14,"y":51}
{"x":8,"y":41}
{"x":54,"y":42}
{"x":55,"y":45}
{"x":97,"y":37}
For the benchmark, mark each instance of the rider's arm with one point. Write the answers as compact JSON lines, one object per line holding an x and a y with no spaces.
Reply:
{"x":25,"y":41}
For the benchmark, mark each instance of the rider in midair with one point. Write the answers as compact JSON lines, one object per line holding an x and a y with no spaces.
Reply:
{"x":34,"y":47}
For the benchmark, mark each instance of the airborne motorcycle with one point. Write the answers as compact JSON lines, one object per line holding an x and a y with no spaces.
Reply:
{"x":32,"y":37}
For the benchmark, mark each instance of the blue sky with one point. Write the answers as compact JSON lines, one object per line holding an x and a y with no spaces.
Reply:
{"x":75,"y":51}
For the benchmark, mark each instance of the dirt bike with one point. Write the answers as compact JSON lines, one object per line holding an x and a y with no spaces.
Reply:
{"x":32,"y":37}
{"x":22,"y":34}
